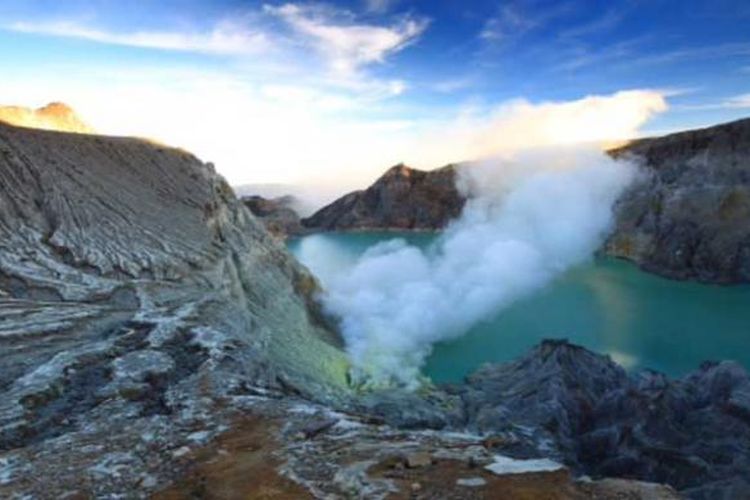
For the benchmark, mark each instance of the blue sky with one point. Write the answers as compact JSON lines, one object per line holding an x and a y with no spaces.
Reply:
{"x":371,"y":81}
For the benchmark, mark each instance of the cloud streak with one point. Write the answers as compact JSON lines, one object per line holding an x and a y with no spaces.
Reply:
{"x":226,"y":38}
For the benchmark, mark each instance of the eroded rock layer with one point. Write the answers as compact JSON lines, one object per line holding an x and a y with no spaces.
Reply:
{"x":136,"y":293}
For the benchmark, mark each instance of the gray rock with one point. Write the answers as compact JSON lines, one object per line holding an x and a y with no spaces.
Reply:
{"x":277,"y":215}
{"x":408,"y":410}
{"x":403,"y":198}
{"x":692,"y":433}
{"x":689,"y":218}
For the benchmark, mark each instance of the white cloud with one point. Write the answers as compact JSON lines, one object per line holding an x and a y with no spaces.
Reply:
{"x":514,"y":19}
{"x":481,"y":132}
{"x":285,"y":117}
{"x":454,"y":84}
{"x":739,"y":101}
{"x":308,"y":44}
{"x":279,"y":131}
{"x":347,"y":46}
{"x":225,"y":38}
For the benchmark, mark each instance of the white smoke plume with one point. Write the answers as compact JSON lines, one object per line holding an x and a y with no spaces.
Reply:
{"x":531,"y":215}
{"x":529,"y":218}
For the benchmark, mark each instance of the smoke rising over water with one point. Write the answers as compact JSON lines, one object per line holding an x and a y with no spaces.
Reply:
{"x":529,"y":218}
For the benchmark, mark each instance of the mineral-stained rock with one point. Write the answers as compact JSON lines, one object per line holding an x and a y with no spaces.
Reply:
{"x":402,"y":198}
{"x":277,"y":214}
{"x":137,"y":295}
{"x":689,"y":217}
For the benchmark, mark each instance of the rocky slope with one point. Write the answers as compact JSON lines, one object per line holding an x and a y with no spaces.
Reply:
{"x":692,"y":433}
{"x":137,"y":294}
{"x":690,"y":217}
{"x":158,"y":341}
{"x":403,"y":198}
{"x":277,"y":214}
{"x":53,"y":116}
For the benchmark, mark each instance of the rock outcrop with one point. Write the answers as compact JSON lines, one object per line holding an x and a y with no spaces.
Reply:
{"x":690,"y":217}
{"x":277,"y":215}
{"x":692,"y":433}
{"x":403,"y":198}
{"x":53,"y":116}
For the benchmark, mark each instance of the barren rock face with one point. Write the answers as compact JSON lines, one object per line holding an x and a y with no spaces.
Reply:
{"x":692,"y":433}
{"x":403,"y":198}
{"x":53,"y":116}
{"x":136,"y":294}
{"x":690,"y":217}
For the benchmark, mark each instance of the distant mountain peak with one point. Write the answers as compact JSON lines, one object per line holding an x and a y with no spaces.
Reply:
{"x":54,"y":116}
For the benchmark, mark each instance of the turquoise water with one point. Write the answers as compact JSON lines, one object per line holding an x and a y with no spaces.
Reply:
{"x":609,"y":306}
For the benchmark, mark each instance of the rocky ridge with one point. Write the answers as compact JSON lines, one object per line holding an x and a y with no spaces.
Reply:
{"x":401,"y":199}
{"x":687,"y":218}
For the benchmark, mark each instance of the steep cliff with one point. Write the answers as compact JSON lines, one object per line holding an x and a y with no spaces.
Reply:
{"x":402,"y":198}
{"x":137,"y":295}
{"x":689,"y":218}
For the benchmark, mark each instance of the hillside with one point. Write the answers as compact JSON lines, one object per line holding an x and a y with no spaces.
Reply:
{"x":137,"y":294}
